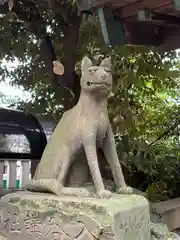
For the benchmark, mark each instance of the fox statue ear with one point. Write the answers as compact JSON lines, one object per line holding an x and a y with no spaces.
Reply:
{"x":58,"y":68}
{"x":10,"y":4}
{"x":106,"y":63}
{"x":86,"y":63}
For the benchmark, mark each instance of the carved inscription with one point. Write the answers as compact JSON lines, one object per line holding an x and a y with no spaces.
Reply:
{"x":33,"y":225}
{"x":9,"y":218}
{"x":127,"y":223}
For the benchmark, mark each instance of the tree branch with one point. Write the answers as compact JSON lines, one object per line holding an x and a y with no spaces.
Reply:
{"x":168,"y":131}
{"x":27,"y":11}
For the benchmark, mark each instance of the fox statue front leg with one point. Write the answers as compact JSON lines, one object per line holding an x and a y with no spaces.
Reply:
{"x":91,"y":154}
{"x":109,"y":149}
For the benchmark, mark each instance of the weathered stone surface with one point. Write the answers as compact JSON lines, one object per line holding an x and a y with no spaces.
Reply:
{"x":71,"y":157}
{"x":2,"y":237}
{"x":24,"y":215}
{"x":159,"y":228}
{"x":73,"y":230}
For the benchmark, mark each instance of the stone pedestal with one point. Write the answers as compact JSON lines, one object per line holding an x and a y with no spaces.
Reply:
{"x":31,"y":216}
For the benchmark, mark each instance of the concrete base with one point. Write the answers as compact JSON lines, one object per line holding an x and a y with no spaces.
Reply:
{"x":31,"y":216}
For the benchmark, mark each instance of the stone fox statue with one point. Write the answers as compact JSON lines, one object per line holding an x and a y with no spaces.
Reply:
{"x":84,"y":128}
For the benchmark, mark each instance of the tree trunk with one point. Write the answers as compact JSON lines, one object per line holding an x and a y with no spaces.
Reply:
{"x":69,"y":79}
{"x":71,"y":36}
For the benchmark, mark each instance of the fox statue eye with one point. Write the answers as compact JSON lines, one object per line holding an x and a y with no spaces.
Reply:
{"x":91,"y":70}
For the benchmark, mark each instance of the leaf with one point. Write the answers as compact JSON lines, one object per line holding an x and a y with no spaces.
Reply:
{"x":58,"y":68}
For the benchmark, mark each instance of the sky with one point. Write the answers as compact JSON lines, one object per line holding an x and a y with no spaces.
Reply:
{"x":7,"y":89}
{"x":12,"y":93}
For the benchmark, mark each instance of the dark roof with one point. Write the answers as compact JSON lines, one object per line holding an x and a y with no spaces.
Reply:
{"x":127,"y":9}
{"x":18,"y":122}
{"x":144,"y":22}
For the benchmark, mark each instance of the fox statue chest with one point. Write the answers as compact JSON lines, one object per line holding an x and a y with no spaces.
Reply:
{"x":96,"y":128}
{"x":102,"y":129}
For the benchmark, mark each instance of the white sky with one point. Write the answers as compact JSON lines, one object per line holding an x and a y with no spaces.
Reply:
{"x":8,"y":90}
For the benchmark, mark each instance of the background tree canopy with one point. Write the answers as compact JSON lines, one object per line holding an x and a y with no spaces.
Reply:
{"x":144,"y":106}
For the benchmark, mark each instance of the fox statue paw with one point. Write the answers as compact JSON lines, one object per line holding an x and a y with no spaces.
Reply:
{"x":125,"y":190}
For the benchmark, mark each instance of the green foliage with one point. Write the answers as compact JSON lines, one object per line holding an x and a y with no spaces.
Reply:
{"x":144,"y":107}
{"x":153,"y":169}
